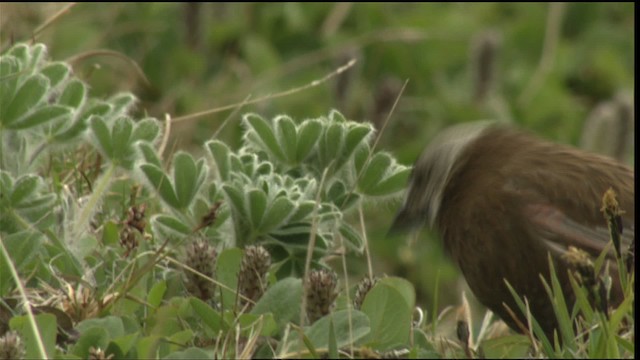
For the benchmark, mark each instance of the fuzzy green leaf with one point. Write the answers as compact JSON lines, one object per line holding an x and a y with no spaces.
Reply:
{"x":23,"y":188}
{"x":170,"y":226}
{"x":149,"y":153}
{"x":391,"y":184}
{"x":356,"y":135}
{"x":346,"y":330}
{"x":235,"y":199}
{"x":161,"y":183}
{"x":146,"y":130}
{"x":283,"y":300}
{"x":287,"y":136}
{"x":121,"y":139}
{"x":103,"y":136}
{"x":56,"y":72}
{"x":74,"y":94}
{"x":303,"y":209}
{"x":308,"y":134}
{"x":281,"y":208}
{"x":265,"y":135}
{"x":49,"y":113}
{"x":185,"y":177}
{"x":257,"y":204}
{"x":374,"y":171}
{"x":26,"y":99}
{"x":220,"y":153}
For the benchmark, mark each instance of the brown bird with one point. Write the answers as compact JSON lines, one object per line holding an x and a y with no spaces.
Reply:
{"x":502,"y":200}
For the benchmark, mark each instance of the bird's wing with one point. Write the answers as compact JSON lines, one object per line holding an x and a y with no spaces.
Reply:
{"x":558,"y":231}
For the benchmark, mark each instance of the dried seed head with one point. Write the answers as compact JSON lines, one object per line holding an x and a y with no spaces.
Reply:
{"x":136,"y":217}
{"x":609,"y":128}
{"x":11,"y":346}
{"x":613,"y":215}
{"x":210,"y":217}
{"x":462,"y":331}
{"x":630,"y":256}
{"x":585,"y":274}
{"x":98,"y":354}
{"x":252,"y":280}
{"x":484,"y":54}
{"x":128,"y":240}
{"x":202,"y":258}
{"x":321,"y":293}
{"x":362,"y":290}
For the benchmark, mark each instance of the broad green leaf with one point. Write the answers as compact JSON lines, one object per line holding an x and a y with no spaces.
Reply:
{"x":265,"y":133}
{"x":389,"y":306}
{"x":147,"y":347}
{"x":113,"y":325}
{"x":26,"y":99}
{"x":308,"y":134}
{"x":48,"y":113}
{"x":46,"y":325}
{"x":287,"y":137}
{"x":110,"y":233}
{"x":22,"y":248}
{"x":161,"y":183}
{"x":346,"y":332}
{"x":227,"y":268}
{"x":184,"y":178}
{"x":74,"y":94}
{"x":251,"y":323}
{"x":209,"y":317}
{"x":281,"y":208}
{"x":220,"y":153}
{"x":191,"y":353}
{"x":156,"y":293}
{"x":283,"y":300}
{"x":124,"y":343}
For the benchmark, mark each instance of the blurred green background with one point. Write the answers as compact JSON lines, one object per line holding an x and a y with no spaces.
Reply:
{"x":543,"y":66}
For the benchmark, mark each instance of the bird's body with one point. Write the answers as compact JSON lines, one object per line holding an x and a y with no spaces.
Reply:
{"x":502,"y":200}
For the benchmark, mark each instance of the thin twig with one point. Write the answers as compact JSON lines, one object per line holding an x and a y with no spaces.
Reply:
{"x":552,"y":34}
{"x":103,"y":52}
{"x":52,"y":19}
{"x":312,"y":84}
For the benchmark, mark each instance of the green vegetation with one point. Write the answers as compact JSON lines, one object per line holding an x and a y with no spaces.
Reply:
{"x":129,"y":236}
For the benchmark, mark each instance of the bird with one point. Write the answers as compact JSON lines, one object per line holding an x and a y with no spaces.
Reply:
{"x":504,"y":201}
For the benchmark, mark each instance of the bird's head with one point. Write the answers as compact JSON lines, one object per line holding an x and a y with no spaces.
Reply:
{"x":431,"y":174}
